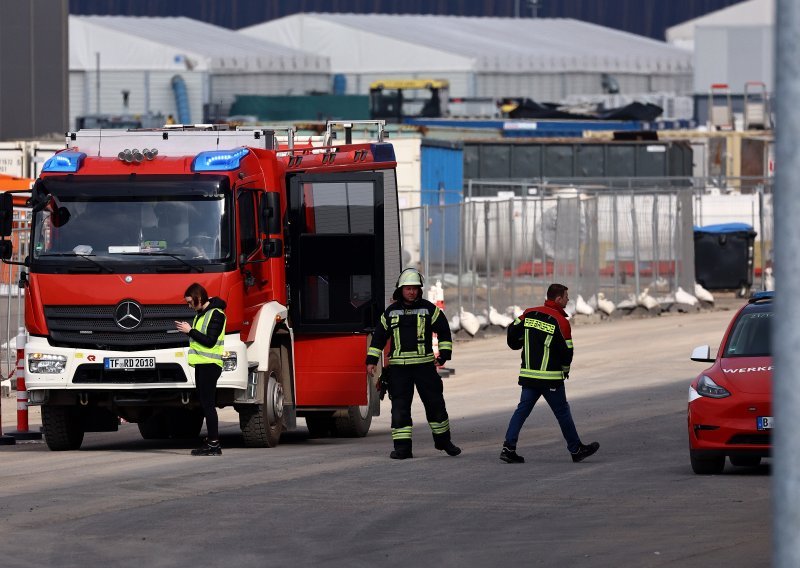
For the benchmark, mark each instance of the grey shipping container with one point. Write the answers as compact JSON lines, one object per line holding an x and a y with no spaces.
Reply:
{"x":505,"y":159}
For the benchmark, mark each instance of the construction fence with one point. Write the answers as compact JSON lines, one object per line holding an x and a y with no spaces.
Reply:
{"x":501,"y":244}
{"x":617,"y":238}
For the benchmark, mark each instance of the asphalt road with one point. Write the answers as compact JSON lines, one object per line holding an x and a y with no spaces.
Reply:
{"x":123,"y":501}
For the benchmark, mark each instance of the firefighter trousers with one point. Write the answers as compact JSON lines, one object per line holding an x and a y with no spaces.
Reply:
{"x":431,"y":391}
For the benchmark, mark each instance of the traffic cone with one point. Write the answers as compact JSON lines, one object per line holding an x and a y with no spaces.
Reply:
{"x":22,"y":432}
{"x":438,"y":299}
{"x":5,"y":440}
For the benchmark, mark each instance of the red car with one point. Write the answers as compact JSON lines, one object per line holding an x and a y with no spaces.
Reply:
{"x":730,"y":403}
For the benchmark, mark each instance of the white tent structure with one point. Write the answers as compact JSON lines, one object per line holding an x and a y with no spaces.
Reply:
{"x":731,"y":46}
{"x":749,"y":13}
{"x":546,"y":59}
{"x":110,"y":55}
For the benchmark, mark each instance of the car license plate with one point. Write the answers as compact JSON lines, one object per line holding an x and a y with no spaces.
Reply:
{"x":764,"y":422}
{"x":129,"y":363}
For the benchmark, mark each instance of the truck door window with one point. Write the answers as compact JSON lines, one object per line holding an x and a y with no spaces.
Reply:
{"x":337,"y":261}
{"x":248,"y":237}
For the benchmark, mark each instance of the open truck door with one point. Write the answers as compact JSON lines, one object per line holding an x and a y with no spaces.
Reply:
{"x":338,"y":266}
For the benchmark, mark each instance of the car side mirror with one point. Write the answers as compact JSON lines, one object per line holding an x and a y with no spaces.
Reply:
{"x":702,"y":354}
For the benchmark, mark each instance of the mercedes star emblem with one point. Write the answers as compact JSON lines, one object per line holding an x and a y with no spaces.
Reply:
{"x":128,"y":315}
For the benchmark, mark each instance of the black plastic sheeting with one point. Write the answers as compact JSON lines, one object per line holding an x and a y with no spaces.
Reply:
{"x":527,"y":108}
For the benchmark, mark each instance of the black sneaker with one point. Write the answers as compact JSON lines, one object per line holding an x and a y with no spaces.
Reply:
{"x":511,"y":456}
{"x":401,"y":454}
{"x":208,"y":449}
{"x":585,"y":451}
{"x":450,"y":448}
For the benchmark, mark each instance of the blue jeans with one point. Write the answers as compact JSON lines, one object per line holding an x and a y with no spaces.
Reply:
{"x":556,"y":397}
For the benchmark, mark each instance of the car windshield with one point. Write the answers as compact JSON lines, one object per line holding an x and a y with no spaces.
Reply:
{"x":188,"y":228}
{"x":751,"y":334}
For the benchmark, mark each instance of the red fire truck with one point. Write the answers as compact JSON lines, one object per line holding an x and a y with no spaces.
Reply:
{"x":301,"y":241}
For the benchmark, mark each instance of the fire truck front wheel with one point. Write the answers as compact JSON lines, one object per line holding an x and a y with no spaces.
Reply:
{"x":63,"y":427}
{"x":356,"y":420}
{"x":262,"y":424}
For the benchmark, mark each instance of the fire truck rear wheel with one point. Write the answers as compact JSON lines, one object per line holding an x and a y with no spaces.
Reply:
{"x":356,"y":420}
{"x":262,"y":424}
{"x":319,"y":424}
{"x":63,"y":427}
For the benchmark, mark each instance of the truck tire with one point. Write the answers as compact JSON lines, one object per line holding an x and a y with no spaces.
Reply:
{"x":262,"y":424}
{"x":63,"y":428}
{"x":707,"y":465}
{"x":320,"y":424}
{"x":184,"y":423}
{"x":154,"y":427}
{"x":356,"y":420}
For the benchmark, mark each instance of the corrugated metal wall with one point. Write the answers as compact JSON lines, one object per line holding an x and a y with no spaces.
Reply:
{"x":33,"y":67}
{"x":531,"y":160}
{"x":442,"y":172}
{"x":149,"y":91}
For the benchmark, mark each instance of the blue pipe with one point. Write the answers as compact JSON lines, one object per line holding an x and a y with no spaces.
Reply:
{"x":181,"y":100}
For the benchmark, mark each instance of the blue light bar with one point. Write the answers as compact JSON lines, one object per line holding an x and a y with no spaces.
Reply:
{"x":383,"y":152}
{"x":218,"y":160}
{"x":64,"y":162}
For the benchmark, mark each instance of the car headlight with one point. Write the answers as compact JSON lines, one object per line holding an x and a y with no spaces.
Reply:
{"x":707,"y":387}
{"x":46,"y":363}
{"x":229,"y":360}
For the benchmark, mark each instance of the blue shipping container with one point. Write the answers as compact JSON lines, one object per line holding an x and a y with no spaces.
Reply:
{"x":442,"y":187}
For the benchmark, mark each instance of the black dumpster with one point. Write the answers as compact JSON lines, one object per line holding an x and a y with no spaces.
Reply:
{"x":723,"y":256}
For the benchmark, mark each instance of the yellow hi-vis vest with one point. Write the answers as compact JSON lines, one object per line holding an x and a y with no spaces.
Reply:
{"x":199,"y":354}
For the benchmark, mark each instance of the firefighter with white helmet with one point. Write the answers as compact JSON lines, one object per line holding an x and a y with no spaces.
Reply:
{"x":409,"y":324}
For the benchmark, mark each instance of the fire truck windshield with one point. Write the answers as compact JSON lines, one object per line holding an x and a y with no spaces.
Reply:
{"x":181,"y":230}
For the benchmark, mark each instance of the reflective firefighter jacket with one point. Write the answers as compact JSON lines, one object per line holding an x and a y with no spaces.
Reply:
{"x":410,"y":329}
{"x":545,"y":337}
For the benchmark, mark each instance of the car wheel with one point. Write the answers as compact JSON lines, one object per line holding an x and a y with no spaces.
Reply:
{"x":746,"y":461}
{"x":707,"y":465}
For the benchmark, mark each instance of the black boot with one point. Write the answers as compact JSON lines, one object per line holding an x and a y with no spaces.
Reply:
{"x":449,"y":447}
{"x":401,"y":454}
{"x":584,"y":451}
{"x":402,"y":450}
{"x":208,"y":448}
{"x":510,"y":455}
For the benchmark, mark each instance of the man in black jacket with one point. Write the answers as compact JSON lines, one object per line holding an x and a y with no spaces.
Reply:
{"x":545,"y":337}
{"x":409,"y":324}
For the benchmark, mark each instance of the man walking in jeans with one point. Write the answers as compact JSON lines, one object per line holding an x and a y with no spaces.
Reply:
{"x":545,"y":337}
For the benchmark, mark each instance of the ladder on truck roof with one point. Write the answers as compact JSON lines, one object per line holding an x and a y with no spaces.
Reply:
{"x":182,"y":139}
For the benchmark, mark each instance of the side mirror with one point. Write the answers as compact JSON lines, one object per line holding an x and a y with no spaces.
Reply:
{"x":271,"y":213}
{"x":6,"y":214}
{"x":60,"y":217}
{"x":6,"y":250}
{"x":702,"y":354}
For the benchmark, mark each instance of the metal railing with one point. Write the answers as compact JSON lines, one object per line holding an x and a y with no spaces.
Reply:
{"x":508,"y":240}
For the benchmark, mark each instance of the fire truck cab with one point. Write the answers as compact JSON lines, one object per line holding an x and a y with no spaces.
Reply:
{"x":300,"y":240}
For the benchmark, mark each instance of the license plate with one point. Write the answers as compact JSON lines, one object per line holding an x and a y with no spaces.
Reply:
{"x":129,"y":363}
{"x":764,"y":422}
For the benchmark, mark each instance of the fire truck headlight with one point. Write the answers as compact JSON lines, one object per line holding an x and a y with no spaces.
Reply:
{"x":46,"y":363}
{"x":229,"y":361}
